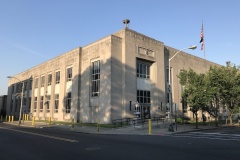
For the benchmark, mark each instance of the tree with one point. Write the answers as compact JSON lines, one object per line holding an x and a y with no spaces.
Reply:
{"x":195,"y":91}
{"x":230,"y":93}
{"x":219,"y":87}
{"x":214,"y":81}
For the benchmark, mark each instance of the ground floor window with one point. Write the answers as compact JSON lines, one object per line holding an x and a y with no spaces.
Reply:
{"x":48,"y":103}
{"x":68,"y":102}
{"x":35,"y":105}
{"x":29,"y":104}
{"x":56,"y":103}
{"x":11,"y":107}
{"x":143,"y":96}
{"x":41,"y":104}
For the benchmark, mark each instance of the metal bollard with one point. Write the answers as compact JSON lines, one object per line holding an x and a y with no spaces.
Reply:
{"x":50,"y":121}
{"x":12,"y":118}
{"x":98,"y":125}
{"x":149,"y":126}
{"x":72,"y":123}
{"x":9,"y":118}
{"x":33,"y":119}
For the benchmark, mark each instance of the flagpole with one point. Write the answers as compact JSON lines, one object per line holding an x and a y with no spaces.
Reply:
{"x":204,"y":43}
{"x":204,"y":51}
{"x":202,"y":40}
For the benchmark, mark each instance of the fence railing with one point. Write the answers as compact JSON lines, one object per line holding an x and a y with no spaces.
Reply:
{"x":136,"y":121}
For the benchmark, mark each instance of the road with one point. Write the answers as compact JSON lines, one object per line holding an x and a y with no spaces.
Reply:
{"x":19,"y":143}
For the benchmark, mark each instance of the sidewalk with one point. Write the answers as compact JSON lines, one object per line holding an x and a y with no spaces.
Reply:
{"x":160,"y":129}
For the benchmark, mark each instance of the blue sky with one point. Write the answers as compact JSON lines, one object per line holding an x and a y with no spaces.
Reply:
{"x":32,"y":32}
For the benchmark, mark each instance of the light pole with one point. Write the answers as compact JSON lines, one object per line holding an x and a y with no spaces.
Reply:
{"x":20,"y":113}
{"x":169,"y":83}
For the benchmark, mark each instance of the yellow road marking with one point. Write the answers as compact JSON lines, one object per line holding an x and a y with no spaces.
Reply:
{"x":42,"y":135}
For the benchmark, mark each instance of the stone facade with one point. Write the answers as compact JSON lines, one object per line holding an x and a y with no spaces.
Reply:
{"x":120,"y":86}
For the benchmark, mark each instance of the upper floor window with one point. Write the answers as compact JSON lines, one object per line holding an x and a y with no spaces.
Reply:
{"x":143,"y":70}
{"x":57,"y":77}
{"x":12,"y":89}
{"x":69,"y":74}
{"x":95,"y":78}
{"x":42,"y":81}
{"x":36,"y":83}
{"x":25,"y":86}
{"x":49,"y":79}
{"x":30,"y":84}
{"x":19,"y":87}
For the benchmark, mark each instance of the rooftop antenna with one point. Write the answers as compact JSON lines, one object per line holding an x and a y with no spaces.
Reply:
{"x":126,"y":22}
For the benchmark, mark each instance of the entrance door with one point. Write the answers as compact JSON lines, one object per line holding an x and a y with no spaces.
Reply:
{"x":143,"y":111}
{"x":146,"y":112}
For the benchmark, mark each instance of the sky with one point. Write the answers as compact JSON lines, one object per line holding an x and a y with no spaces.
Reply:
{"x":32,"y":31}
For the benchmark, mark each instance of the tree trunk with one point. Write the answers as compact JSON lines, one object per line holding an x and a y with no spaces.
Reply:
{"x":216,"y":121}
{"x":196,"y":115}
{"x":230,"y":118}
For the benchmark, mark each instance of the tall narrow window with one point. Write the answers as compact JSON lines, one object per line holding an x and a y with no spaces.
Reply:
{"x":35,"y":105}
{"x":29,"y":104}
{"x":69,"y":74}
{"x":24,"y":101}
{"x":12,"y":89}
{"x":18,"y":87}
{"x":42,"y":81}
{"x":68,"y":102}
{"x":36,"y":83}
{"x":30,"y":84}
{"x":56,"y":103}
{"x":49,"y":79}
{"x":25,"y":86}
{"x":48,"y":103}
{"x":95,"y":78}
{"x":57,"y":77}
{"x":16,"y":105}
{"x":41,"y":104}
{"x":11,"y":107}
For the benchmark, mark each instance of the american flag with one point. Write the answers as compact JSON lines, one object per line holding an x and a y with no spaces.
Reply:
{"x":202,"y":38}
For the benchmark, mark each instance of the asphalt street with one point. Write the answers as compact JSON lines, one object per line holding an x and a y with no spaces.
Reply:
{"x":24,"y":143}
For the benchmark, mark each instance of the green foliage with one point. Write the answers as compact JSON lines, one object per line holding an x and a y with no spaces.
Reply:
{"x":219,"y":87}
{"x":194,"y":89}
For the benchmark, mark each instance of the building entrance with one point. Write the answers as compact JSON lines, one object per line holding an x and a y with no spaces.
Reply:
{"x":143,"y":111}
